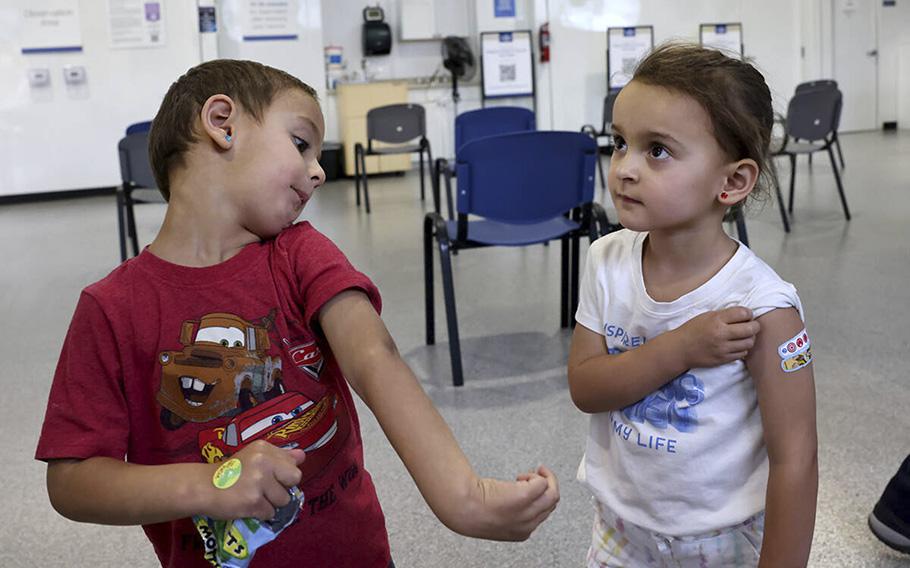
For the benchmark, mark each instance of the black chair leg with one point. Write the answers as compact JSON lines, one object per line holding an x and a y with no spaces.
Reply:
{"x":366,"y":187}
{"x":131,"y":221}
{"x":120,"y":229}
{"x":600,"y":168}
{"x":448,"y":289}
{"x":429,"y":309}
{"x":780,"y":196}
{"x":810,"y":160}
{"x":839,"y":153}
{"x":564,"y":284}
{"x":357,"y":172}
{"x":429,"y":166}
{"x":573,"y":271}
{"x":741,"y":227}
{"x":422,"y":191}
{"x":792,"y":182}
{"x":840,"y":187}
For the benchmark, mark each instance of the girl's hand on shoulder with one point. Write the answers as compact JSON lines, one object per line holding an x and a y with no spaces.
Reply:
{"x":511,"y":510}
{"x":718,"y":337}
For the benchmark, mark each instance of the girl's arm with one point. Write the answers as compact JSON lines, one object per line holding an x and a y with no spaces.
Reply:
{"x":787,"y":405}
{"x":464,"y":502}
{"x":599,"y":382}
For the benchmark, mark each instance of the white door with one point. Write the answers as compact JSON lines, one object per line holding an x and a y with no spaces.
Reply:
{"x":856,"y":62}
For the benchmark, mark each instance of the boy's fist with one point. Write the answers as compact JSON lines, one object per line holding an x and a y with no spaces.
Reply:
{"x":267,"y":472}
{"x":512,"y":510}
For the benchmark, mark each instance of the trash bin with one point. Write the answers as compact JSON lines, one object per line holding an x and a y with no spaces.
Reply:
{"x":332,"y":161}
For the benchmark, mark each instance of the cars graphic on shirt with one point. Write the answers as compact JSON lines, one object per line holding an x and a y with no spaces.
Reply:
{"x":290,"y":420}
{"x":222,"y":369}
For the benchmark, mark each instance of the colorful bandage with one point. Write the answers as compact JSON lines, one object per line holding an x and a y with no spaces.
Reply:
{"x":795,"y":353}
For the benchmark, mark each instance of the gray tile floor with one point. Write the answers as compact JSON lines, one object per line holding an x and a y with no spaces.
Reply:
{"x":514,"y":412}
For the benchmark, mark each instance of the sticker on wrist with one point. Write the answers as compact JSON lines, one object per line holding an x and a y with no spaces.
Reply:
{"x":227,"y":474}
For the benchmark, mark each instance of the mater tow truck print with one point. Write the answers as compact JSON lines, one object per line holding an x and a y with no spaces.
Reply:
{"x":223,"y":369}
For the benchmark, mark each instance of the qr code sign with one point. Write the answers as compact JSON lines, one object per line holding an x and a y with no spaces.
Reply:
{"x":506,"y":73}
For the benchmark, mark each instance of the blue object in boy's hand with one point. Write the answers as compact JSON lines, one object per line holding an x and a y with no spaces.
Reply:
{"x":232,"y":544}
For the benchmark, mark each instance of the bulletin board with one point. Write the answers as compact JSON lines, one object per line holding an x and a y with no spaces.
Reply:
{"x":724,"y":37}
{"x":507,"y":64}
{"x":626,"y":46}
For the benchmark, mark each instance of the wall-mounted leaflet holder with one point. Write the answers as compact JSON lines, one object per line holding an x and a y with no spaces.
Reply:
{"x":39,"y":77}
{"x":74,"y":74}
{"x":76,"y":82}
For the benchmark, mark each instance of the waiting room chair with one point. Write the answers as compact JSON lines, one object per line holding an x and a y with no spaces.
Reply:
{"x":475,"y":124}
{"x":392,"y":124}
{"x":527,"y":188}
{"x":811,"y":121}
{"x":604,"y":136}
{"x":135,"y":173}
{"x":826,"y":84}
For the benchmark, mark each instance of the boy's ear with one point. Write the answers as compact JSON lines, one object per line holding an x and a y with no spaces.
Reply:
{"x":219,"y":115}
{"x":739,"y":182}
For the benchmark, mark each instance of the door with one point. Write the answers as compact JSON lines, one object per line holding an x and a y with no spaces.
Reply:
{"x":855,"y":53}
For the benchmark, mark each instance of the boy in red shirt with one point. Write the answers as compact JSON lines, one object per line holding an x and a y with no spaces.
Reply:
{"x":235,"y":336}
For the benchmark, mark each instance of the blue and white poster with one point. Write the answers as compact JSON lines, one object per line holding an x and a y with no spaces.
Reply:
{"x":504,"y":8}
{"x":50,"y":26}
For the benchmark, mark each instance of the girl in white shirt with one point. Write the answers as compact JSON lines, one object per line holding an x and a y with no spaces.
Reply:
{"x":691,"y":354}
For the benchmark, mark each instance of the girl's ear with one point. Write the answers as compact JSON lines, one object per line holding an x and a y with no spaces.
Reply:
{"x":739,"y":183}
{"x":219,"y":116}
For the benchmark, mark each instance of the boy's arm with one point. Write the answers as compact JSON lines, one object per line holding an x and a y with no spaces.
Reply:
{"x":112,"y":492}
{"x":787,"y":405}
{"x":599,"y":382}
{"x":465,"y":503}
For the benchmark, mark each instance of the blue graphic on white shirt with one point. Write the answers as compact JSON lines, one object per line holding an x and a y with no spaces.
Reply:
{"x":672,"y":405}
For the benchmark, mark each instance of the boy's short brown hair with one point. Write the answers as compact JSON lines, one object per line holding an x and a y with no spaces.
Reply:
{"x":250,"y":84}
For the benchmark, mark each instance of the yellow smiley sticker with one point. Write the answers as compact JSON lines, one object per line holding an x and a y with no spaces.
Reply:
{"x":227,"y":474}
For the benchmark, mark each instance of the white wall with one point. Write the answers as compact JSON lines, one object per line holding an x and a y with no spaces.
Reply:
{"x":771,"y":35}
{"x":893,"y":63}
{"x":58,"y":139}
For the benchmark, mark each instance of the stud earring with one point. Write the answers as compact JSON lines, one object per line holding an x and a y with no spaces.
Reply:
{"x":227,"y":137}
{"x":723,"y":194}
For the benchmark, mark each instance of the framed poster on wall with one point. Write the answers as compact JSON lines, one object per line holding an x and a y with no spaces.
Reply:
{"x":625,"y":48}
{"x":506,"y":64}
{"x":724,"y":37}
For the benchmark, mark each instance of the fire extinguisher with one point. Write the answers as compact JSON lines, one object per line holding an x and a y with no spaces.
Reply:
{"x":544,"y":37}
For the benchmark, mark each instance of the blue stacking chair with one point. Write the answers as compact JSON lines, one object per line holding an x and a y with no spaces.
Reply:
{"x":477,"y":124}
{"x":528,"y":188}
{"x":135,"y":173}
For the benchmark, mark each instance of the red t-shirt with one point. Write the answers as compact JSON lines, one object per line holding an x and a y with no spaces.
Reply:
{"x":165,"y":363}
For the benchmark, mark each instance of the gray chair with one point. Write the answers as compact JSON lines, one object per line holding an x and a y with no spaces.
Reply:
{"x":811,"y":121}
{"x":826,"y":84}
{"x":604,"y":136}
{"x":392,"y":124}
{"x":135,"y":173}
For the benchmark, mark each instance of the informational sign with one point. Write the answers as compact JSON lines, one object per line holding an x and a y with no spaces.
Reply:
{"x":207,"y":22}
{"x":625,"y":48}
{"x":51,"y":26}
{"x":135,"y":23}
{"x":269,"y":20}
{"x":504,"y":8}
{"x":507,"y":64}
{"x":724,"y":37}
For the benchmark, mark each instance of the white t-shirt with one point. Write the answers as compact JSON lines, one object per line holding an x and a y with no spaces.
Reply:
{"x":688,"y":458}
